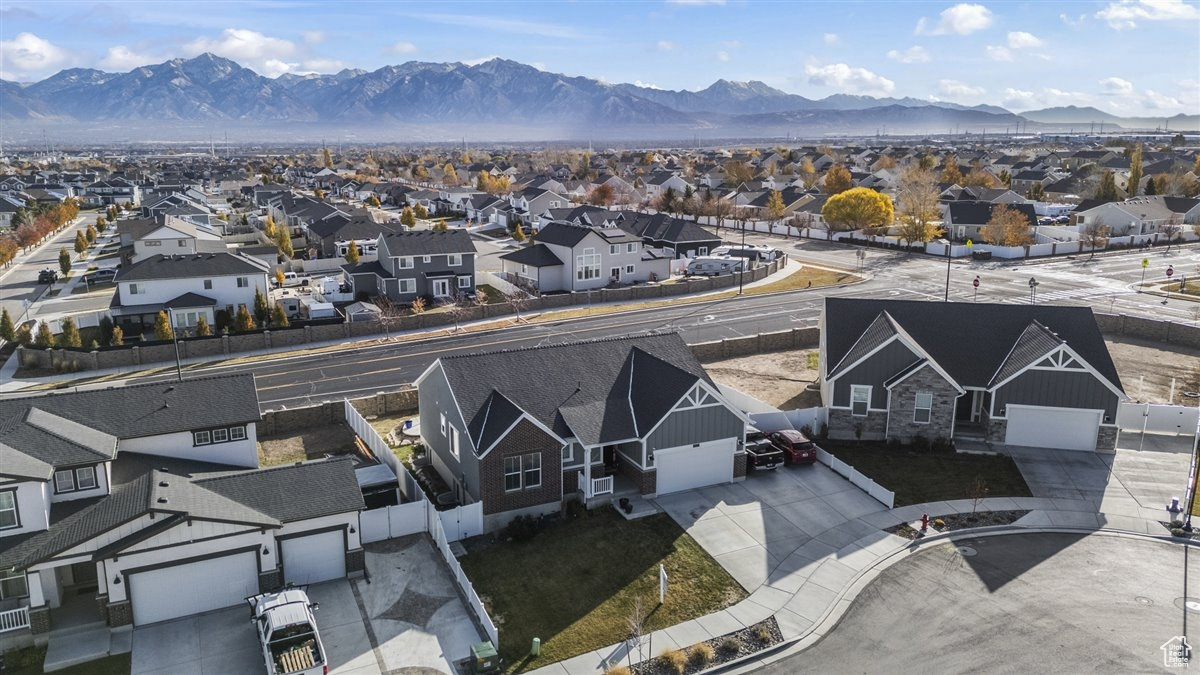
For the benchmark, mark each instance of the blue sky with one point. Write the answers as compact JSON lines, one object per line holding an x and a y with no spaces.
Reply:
{"x":1128,"y":57}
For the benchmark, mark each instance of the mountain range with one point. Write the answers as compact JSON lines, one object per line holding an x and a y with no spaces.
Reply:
{"x":439,"y":100}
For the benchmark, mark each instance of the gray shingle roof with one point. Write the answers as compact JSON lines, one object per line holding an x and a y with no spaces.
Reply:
{"x":190,"y":267}
{"x":880,"y":330}
{"x":428,"y":242}
{"x":1035,"y":342}
{"x":580,"y":389}
{"x":538,"y":255}
{"x":296,"y":491}
{"x":970,"y":341}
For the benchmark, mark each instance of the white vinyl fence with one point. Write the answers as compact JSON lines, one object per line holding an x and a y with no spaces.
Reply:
{"x":1159,"y":419}
{"x":420,"y":516}
{"x":883,"y":495}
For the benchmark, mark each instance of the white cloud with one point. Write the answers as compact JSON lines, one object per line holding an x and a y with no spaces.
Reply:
{"x":723,"y":55}
{"x":831,"y":39}
{"x":1156,"y":101}
{"x":403,"y":48}
{"x":956,"y":89}
{"x":1116,"y":85}
{"x":961,"y":19}
{"x":261,"y":53}
{"x":1019,"y":39}
{"x":998,"y":53}
{"x":322,"y":66}
{"x":914,"y":54}
{"x":28,"y":54}
{"x":314,"y":37}
{"x":645,"y":85}
{"x":848,"y":79}
{"x":482,"y":59}
{"x":1073,"y":22}
{"x":1018,"y":99}
{"x":665,"y":46}
{"x":501,"y":25}
{"x":1126,"y":13}
{"x":121,"y":58}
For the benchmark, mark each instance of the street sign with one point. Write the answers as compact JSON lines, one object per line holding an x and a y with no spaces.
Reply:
{"x":970,"y":244}
{"x":976,"y":282}
{"x":1170,"y":271}
{"x":1145,"y":263}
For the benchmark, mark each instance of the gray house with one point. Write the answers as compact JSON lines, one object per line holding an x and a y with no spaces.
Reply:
{"x":524,"y":430}
{"x":1037,"y":376}
{"x":428,"y":263}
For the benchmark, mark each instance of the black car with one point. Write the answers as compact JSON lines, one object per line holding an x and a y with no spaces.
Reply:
{"x":761,"y":454}
{"x":47,"y":276}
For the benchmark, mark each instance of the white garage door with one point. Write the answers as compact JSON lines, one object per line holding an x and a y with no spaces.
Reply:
{"x":689,"y":466}
{"x":191,"y":588}
{"x":1062,"y":428}
{"x":317,"y":557}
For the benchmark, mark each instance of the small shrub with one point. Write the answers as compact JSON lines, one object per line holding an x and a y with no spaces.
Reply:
{"x":1176,"y":523}
{"x":701,"y":654}
{"x":761,"y":633}
{"x":942,"y":444}
{"x":807,"y":430}
{"x":729,"y":644}
{"x":521,"y":528}
{"x":673,"y":661}
{"x":1178,"y":532}
{"x":939,"y":523}
{"x":618,"y":670}
{"x":824,"y":430}
{"x":919,"y":443}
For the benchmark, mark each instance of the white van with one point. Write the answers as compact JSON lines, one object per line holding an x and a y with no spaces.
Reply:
{"x":713,"y":266}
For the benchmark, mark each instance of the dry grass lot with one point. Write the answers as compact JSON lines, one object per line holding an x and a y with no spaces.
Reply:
{"x":781,"y":378}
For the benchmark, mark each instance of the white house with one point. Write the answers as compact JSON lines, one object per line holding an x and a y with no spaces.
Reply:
{"x":177,"y":237}
{"x":574,"y":257}
{"x":191,"y":286}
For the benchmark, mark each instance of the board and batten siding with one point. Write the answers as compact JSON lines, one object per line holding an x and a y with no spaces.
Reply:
{"x":696,"y":425}
{"x":436,"y":400}
{"x":876,"y":370}
{"x":1057,"y":388}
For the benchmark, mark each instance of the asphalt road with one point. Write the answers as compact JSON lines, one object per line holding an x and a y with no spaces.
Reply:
{"x":1035,"y":603}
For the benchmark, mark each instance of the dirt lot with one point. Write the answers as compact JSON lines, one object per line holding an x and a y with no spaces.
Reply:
{"x":335,"y":439}
{"x":780,"y":379}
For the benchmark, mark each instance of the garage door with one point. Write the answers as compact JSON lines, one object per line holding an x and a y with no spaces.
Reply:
{"x":317,"y":557}
{"x":689,"y":466}
{"x":1062,"y":428}
{"x":191,"y":588}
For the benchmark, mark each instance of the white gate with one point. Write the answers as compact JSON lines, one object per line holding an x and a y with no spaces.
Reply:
{"x":1159,"y":419}
{"x":393,"y":521}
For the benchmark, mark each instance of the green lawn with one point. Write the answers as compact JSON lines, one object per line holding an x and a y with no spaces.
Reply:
{"x":919,"y":477}
{"x":28,"y":661}
{"x":574,"y":584}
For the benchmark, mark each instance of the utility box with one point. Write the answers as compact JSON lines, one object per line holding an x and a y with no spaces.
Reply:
{"x":484,"y":659}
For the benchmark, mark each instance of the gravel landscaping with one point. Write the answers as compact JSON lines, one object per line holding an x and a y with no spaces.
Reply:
{"x":960,"y":521}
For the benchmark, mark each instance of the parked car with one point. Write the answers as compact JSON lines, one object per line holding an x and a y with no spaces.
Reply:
{"x":47,"y":276}
{"x":103,"y":276}
{"x":761,"y":455}
{"x":795,"y":446}
{"x":287,"y":632}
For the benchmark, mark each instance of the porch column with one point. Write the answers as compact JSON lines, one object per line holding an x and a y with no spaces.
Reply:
{"x":33,"y":582}
{"x":587,"y":472}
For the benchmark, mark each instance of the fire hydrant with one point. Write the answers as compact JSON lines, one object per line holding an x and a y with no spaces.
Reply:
{"x":924,"y":523}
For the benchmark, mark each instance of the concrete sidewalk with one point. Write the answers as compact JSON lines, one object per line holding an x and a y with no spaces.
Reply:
{"x":804,"y":545}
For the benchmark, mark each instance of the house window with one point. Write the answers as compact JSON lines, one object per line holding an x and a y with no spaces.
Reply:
{"x":568,"y":454}
{"x":512,"y":473}
{"x":408,"y":285}
{"x":587,"y":265}
{"x":524,"y":269}
{"x":464,"y":282}
{"x":454,"y":441}
{"x":443,"y":423}
{"x":208,"y":284}
{"x":427,"y":259}
{"x":12,"y":585}
{"x":923,"y":406}
{"x":220,"y":435}
{"x":404,"y":263}
{"x":243,"y":282}
{"x":703,"y":250}
{"x":85,"y":477}
{"x":629,"y":269}
{"x":8,"y":510}
{"x":181,"y":242}
{"x":152,"y":242}
{"x":134,"y":290}
{"x":860,"y":399}
{"x":64,"y":481}
{"x":613,"y":249}
{"x":201,"y":437}
{"x":595,"y":456}
{"x":533,"y":470}
{"x":237,"y":433}
{"x":615,"y":273}
{"x":454,"y":259}
{"x":630,"y":247}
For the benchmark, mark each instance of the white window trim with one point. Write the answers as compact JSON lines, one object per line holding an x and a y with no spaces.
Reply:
{"x":79,"y":478}
{"x":404,"y":263}
{"x":220,"y":435}
{"x":16,"y":511}
{"x":426,"y":259}
{"x":407,"y":285}
{"x":519,"y":472}
{"x":631,"y":247}
{"x":15,"y":575}
{"x":526,"y":462}
{"x":927,"y":409}
{"x":464,"y":282}
{"x":613,"y":249}
{"x":69,"y":474}
{"x":443,"y":423}
{"x":855,"y":389}
{"x":454,"y":259}
{"x":237,"y":433}
{"x":454,"y":441}
{"x":629,"y":269}
{"x":568,"y":454}
{"x":202,"y":437}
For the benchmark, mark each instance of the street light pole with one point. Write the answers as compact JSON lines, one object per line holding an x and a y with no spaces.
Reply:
{"x":1033,"y":284}
{"x":175,"y":339}
{"x":742,"y":274}
{"x":947,"y":243}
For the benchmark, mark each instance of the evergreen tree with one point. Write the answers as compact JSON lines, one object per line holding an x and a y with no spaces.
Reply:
{"x":420,"y":211}
{"x":7,"y":330}
{"x":326,"y":158}
{"x":202,"y":327}
{"x":1135,"y":172}
{"x":106,"y":330}
{"x":352,"y":253}
{"x":518,"y":233}
{"x":162,"y":327}
{"x":1107,"y":190}
{"x":279,"y":318}
{"x":70,"y":334}
{"x":261,"y":309}
{"x":44,"y":338}
{"x":1151,"y":187}
{"x":64,"y":261}
{"x":243,"y":321}
{"x":408,"y":218}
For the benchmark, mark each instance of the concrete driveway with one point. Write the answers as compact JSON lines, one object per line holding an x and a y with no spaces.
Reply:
{"x":791,"y":513}
{"x":224,"y":642}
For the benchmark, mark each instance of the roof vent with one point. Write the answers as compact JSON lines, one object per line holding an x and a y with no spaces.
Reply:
{"x":164,"y":484}
{"x":162,"y":500}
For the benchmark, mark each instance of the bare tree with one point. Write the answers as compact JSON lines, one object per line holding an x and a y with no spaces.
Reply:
{"x":1094,"y":235}
{"x":390,"y":314}
{"x":1172,"y":228}
{"x":456,"y":309}
{"x":636,"y":624}
{"x":518,"y":299}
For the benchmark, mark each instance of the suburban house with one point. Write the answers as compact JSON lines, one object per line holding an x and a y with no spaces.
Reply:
{"x":427,"y":263}
{"x":675,"y":236}
{"x":169,"y":235}
{"x":112,"y":191}
{"x":1140,"y":215}
{"x":132,"y":505}
{"x":523,"y":430}
{"x":964,"y":220}
{"x":1038,"y":376}
{"x":577,"y":257}
{"x":191,"y":286}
